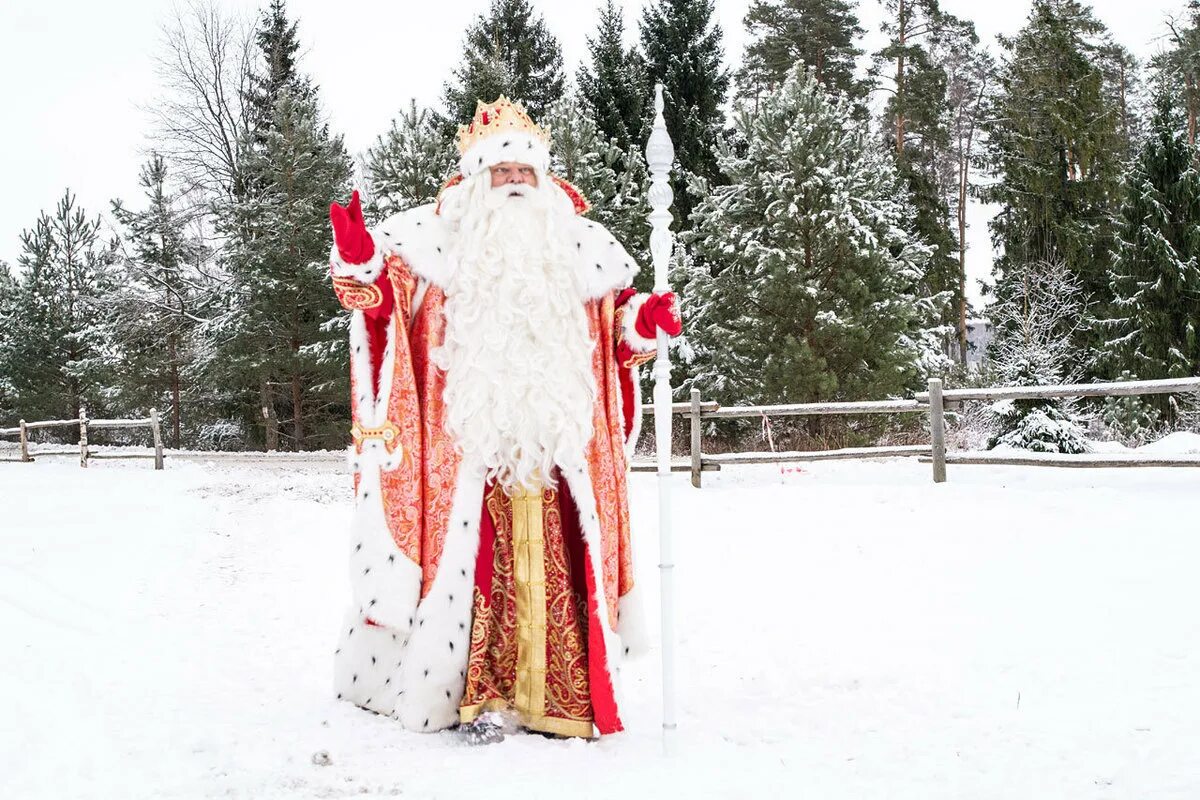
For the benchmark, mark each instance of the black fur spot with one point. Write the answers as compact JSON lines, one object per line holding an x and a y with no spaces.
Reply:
{"x":339,"y":695}
{"x":389,"y":680}
{"x":439,"y":249}
{"x":335,"y":652}
{"x":599,"y":267}
{"x":426,"y":723}
{"x":420,"y":623}
{"x":358,"y":547}
{"x":365,"y":571}
{"x":371,"y":603}
{"x":451,"y":598}
{"x":372,"y":659}
{"x":426,"y":673}
{"x":447,"y":694}
{"x":505,"y":143}
{"x":464,"y":572}
{"x":452,"y":647}
{"x":367,"y":702}
{"x":351,"y":633}
{"x":354,"y":679}
{"x":391,"y":559}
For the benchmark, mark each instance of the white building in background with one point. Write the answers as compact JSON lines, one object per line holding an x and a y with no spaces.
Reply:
{"x":980,"y":332}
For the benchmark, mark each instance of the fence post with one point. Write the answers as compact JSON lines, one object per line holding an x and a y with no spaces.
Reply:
{"x":83,"y":436}
{"x":695,"y":446}
{"x":937,"y":430}
{"x":158,"y":455}
{"x":24,"y":443}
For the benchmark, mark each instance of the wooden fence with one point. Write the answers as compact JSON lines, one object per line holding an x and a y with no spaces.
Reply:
{"x":85,"y":424}
{"x":933,"y":402}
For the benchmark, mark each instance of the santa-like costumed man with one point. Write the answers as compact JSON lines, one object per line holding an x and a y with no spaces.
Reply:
{"x":494,"y":346}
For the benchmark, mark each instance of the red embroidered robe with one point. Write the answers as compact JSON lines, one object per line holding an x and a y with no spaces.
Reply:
{"x":417,"y":565}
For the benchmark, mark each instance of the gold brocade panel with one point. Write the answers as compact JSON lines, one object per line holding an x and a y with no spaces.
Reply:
{"x":528,"y":638}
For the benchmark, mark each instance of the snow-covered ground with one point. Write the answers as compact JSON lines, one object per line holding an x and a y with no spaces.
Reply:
{"x":847,"y":631}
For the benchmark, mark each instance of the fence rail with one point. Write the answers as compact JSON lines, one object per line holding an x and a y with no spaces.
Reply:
{"x":85,"y":424}
{"x":934,"y":402}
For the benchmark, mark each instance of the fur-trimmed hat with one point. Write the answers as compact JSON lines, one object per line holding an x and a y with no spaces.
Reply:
{"x":501,"y":131}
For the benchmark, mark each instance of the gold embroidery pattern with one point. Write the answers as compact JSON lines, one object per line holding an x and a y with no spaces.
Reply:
{"x":388,"y":433}
{"x":527,"y":638}
{"x":440,"y":455}
{"x":401,"y":487}
{"x":357,"y":296}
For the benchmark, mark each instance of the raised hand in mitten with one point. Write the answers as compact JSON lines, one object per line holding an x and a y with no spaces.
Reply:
{"x":659,"y":312}
{"x":354,"y":244}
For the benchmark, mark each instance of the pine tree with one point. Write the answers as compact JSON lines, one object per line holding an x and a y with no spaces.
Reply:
{"x":613,"y":180}
{"x":683,"y":52}
{"x":278,"y":41}
{"x":615,"y":84}
{"x":409,"y":164}
{"x":61,"y":352}
{"x":284,"y":343}
{"x":970,"y":80}
{"x":805,"y":285}
{"x":1181,"y":62}
{"x":1153,"y":325}
{"x":821,"y":34}
{"x":507,"y":51}
{"x":9,"y":310}
{"x":156,"y":302}
{"x":279,"y":343}
{"x":917,"y":125}
{"x":1054,"y":144}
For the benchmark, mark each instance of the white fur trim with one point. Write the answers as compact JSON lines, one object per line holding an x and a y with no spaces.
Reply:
{"x":365,"y":662}
{"x":363,"y":273}
{"x":421,"y":238}
{"x":604,"y":265}
{"x":635,"y":377}
{"x":580,"y":483}
{"x":433,"y":675}
{"x":631,"y":623}
{"x":629,"y":334}
{"x":517,"y":146}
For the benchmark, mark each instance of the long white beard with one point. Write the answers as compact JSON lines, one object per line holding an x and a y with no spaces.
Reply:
{"x":517,"y":351}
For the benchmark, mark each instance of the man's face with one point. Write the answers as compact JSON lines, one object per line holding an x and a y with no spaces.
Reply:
{"x":513,"y":172}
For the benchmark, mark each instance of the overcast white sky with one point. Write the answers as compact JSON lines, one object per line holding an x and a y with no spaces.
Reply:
{"x":76,"y":74}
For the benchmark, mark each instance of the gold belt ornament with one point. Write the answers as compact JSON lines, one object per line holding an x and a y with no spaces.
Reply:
{"x":388,"y":433}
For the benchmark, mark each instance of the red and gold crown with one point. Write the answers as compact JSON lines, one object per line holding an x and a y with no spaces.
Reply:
{"x":501,"y":131}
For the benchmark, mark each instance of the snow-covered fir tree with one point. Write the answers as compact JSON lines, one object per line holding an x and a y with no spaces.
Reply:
{"x":615,"y":83}
{"x":804,"y":285}
{"x":1035,"y":323}
{"x":279,"y":340}
{"x":157,"y":302}
{"x":1153,"y":323}
{"x":278,"y":346}
{"x":507,"y":50}
{"x":1054,"y":142}
{"x":9,"y":309}
{"x":61,"y":350}
{"x":682,"y":45}
{"x":409,"y":164}
{"x":614,"y":181}
{"x":821,"y":34}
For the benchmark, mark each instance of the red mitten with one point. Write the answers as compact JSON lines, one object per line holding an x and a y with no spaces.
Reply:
{"x":354,"y":244}
{"x":658,"y":312}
